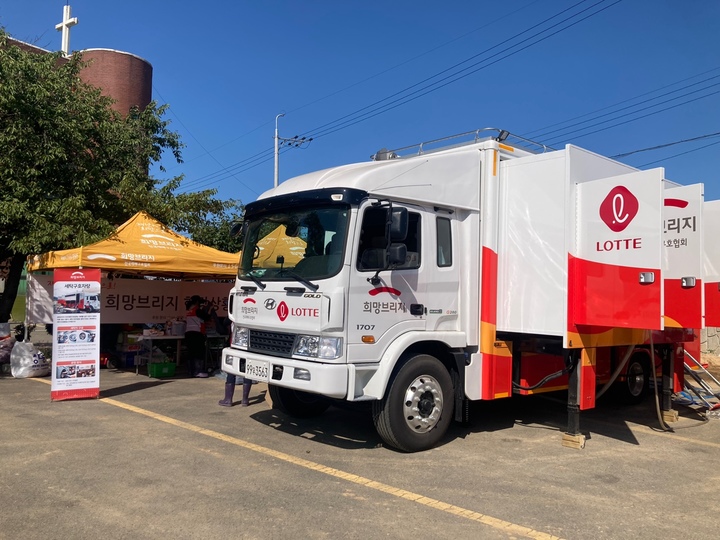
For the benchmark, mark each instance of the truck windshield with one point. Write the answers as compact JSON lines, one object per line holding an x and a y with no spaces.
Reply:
{"x":304,"y":242}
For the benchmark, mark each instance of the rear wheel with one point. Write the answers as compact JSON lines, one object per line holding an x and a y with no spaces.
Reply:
{"x":297,"y":403}
{"x":417,"y":408}
{"x":633,"y":388}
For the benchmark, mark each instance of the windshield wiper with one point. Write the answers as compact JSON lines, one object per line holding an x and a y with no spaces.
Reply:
{"x":256,"y":281}
{"x":298,"y":277}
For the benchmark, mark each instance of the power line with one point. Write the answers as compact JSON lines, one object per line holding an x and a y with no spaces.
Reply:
{"x":375,"y":108}
{"x":534,"y":133}
{"x":680,"y":154}
{"x":237,"y":168}
{"x":417,"y":57}
{"x":699,"y":137}
{"x":262,"y":157}
{"x":387,"y":70}
{"x":563,"y":137}
{"x":338,"y":124}
{"x":556,"y":141}
{"x":631,"y":107}
{"x":197,"y":141}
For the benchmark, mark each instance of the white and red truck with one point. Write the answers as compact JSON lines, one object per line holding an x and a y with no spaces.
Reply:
{"x":467,"y":272}
{"x":81,"y":301}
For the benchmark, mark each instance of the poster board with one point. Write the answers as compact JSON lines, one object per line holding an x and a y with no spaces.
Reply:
{"x":76,"y":334}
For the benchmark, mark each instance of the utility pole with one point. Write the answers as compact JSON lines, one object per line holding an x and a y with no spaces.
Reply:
{"x":293,"y":142}
{"x":277,"y":150}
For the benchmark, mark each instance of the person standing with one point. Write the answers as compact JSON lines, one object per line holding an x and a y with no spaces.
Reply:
{"x":230,"y":382}
{"x":223,"y":328}
{"x":195,"y":334}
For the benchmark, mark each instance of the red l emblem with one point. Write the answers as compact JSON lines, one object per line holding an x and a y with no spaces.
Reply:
{"x":619,"y":208}
{"x":283,"y":311}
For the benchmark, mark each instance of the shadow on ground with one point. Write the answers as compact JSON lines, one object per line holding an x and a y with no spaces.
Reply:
{"x":129,"y":388}
{"x":350,"y":425}
{"x":345,"y":425}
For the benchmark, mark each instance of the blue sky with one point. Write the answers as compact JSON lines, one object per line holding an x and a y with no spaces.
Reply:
{"x":637,"y":73}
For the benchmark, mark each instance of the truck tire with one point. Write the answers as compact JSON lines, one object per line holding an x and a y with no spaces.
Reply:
{"x":418,"y":406}
{"x":296,"y":403}
{"x":633,"y":388}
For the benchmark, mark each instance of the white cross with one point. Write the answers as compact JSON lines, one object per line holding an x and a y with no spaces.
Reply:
{"x":64,"y":26}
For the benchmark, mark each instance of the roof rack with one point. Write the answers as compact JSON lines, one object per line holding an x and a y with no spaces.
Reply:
{"x":473,"y":136}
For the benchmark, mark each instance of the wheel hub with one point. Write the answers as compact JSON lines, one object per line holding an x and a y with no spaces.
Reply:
{"x":636,"y":379}
{"x":423,"y":404}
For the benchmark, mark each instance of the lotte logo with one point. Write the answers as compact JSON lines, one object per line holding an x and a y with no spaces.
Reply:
{"x":619,"y":208}
{"x":283,"y":311}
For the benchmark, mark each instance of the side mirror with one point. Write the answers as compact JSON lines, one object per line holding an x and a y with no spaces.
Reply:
{"x":236,"y":228}
{"x":399,"y":225}
{"x":397,"y":254}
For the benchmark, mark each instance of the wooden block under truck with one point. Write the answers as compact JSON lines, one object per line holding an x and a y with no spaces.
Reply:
{"x":432,"y":276}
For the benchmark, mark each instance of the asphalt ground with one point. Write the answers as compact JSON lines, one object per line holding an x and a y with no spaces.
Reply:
{"x":160,"y":459}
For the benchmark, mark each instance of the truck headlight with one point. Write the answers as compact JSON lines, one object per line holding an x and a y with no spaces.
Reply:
{"x":240,"y":337}
{"x":318,"y":347}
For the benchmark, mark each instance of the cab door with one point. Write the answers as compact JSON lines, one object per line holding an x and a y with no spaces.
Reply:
{"x":442,"y":297}
{"x":385,"y":303}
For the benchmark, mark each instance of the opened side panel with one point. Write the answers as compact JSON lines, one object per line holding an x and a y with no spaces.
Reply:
{"x":615,"y":278}
{"x":683,"y":256}
{"x":711,"y":267}
{"x":532,"y":273}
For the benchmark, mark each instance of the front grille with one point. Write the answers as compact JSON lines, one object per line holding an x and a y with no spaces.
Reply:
{"x":271,"y":343}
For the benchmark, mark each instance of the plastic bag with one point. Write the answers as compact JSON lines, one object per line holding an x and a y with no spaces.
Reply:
{"x":27,"y":361}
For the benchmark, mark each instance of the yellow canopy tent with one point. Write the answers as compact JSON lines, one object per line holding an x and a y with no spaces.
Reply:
{"x":278,"y":243}
{"x":143,"y":245}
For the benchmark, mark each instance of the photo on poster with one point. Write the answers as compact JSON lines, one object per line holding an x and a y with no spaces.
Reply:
{"x":76,"y":297}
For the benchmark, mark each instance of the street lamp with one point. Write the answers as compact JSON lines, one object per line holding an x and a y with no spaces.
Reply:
{"x":293,"y":142}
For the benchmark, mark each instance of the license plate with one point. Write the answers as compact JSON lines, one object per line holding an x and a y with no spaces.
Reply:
{"x":257,"y":370}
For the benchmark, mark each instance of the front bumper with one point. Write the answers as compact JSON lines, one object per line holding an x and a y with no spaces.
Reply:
{"x":327,"y":379}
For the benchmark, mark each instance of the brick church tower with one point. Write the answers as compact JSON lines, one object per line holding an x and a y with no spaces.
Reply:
{"x":120,"y":75}
{"x":123,"y":76}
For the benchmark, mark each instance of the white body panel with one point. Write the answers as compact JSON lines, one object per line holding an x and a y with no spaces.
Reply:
{"x":538,"y":227}
{"x":629,"y":247}
{"x":711,"y":260}
{"x":683,"y":245}
{"x":683,"y":231}
{"x":532,"y":260}
{"x":448,"y":178}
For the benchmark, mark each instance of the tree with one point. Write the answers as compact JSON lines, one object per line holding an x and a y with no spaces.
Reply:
{"x":72,"y":168}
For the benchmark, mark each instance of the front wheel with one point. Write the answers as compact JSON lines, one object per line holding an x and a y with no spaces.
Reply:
{"x":417,"y":408}
{"x":297,"y":403}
